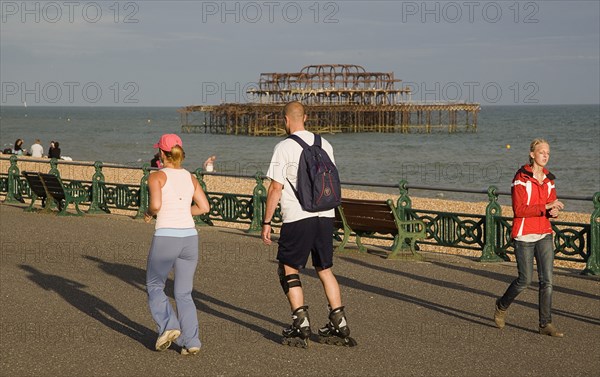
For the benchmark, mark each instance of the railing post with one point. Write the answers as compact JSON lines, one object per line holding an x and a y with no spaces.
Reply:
{"x":492,"y":211}
{"x":203,"y":220}
{"x":143,"y":192}
{"x":54,"y":167}
{"x":13,"y":182}
{"x":593,"y":262}
{"x":97,"y":180}
{"x":404,"y":203}
{"x":258,"y":195}
{"x":54,"y":171}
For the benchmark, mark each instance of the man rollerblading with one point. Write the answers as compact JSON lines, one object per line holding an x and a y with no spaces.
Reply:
{"x":307,"y":225}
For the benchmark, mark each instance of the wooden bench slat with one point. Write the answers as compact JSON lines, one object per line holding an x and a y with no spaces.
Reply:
{"x":372,"y":225}
{"x":35,"y":183}
{"x":38,"y":190}
{"x":54,"y":186}
{"x":374,"y":216}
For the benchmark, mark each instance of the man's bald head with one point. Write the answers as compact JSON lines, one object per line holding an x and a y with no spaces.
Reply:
{"x":295,"y":111}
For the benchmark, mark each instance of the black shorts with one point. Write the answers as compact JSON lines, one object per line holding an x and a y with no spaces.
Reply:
{"x":307,"y":236}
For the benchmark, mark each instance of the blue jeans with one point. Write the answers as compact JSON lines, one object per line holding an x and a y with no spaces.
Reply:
{"x":180,"y":253}
{"x":543,"y":251}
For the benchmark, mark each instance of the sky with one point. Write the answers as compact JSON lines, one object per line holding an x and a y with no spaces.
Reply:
{"x":178,"y":53}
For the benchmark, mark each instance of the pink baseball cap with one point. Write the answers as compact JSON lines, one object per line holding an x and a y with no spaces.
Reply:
{"x":168,"y":141}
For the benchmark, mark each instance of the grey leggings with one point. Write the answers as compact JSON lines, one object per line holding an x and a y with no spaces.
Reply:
{"x":181,"y":254}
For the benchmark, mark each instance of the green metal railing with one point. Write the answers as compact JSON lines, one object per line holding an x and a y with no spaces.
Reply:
{"x":490,"y":233}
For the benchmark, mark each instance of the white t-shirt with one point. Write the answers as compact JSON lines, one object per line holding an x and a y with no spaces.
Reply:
{"x":37,"y":150}
{"x":284,"y":167}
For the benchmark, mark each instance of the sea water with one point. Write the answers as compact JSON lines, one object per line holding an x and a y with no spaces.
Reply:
{"x":490,"y":156}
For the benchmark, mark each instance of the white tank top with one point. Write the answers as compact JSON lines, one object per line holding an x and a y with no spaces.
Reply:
{"x":177,"y":194}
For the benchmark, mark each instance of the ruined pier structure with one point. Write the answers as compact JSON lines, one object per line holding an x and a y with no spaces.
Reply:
{"x":338,"y":98}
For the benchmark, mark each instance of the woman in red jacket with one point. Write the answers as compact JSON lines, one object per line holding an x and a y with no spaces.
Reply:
{"x":534,"y":203}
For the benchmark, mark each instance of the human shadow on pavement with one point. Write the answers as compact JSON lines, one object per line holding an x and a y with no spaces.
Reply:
{"x":73,"y":292}
{"x":443,"y":309}
{"x":420,"y":278}
{"x":509,"y":278}
{"x":137,"y":278}
{"x":461,"y":287}
{"x":556,"y":289}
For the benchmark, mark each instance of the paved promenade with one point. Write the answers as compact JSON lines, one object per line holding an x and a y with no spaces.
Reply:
{"x":73,"y":304}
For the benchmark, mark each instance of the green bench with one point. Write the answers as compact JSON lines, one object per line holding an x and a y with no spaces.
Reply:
{"x":364,"y":218}
{"x":48,"y":186}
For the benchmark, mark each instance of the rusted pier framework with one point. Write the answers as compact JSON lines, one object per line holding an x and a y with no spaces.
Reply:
{"x":338,"y":98}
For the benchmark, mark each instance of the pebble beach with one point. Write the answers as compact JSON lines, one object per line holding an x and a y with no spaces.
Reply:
{"x":240,"y":185}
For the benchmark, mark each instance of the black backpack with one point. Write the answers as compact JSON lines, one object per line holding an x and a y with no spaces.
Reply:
{"x":318,"y":186}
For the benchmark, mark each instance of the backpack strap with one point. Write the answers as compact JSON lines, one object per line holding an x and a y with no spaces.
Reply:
{"x":303,"y":144}
{"x":317,"y":140}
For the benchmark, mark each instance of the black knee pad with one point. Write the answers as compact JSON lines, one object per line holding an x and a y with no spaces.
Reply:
{"x":288,"y":281}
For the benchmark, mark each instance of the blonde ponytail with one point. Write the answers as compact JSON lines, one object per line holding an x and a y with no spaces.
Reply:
{"x":176,"y":155}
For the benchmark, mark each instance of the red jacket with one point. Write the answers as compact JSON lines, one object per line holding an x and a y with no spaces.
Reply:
{"x":529,"y":199}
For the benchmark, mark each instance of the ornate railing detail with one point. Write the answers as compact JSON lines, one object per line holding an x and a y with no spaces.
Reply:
{"x":451,"y":229}
{"x":120,"y":196}
{"x":490,"y":233}
{"x":231,"y":207}
{"x":22,"y":189}
{"x":80,"y":186}
{"x":570,"y":240}
{"x":503,"y":239}
{"x":3,"y":183}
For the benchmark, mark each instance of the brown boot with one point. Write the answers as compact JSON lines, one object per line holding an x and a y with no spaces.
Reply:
{"x":551,"y":330}
{"x":499,"y":315}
